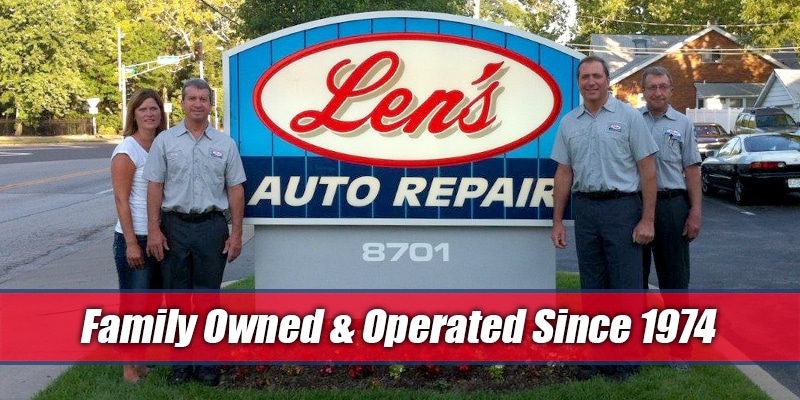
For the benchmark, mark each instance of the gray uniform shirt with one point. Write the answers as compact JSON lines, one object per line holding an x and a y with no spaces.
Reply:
{"x":677,"y":146}
{"x":603,"y":150}
{"x":195,"y":173}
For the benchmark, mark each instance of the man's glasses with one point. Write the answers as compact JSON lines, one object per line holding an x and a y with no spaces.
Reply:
{"x":661,"y":87}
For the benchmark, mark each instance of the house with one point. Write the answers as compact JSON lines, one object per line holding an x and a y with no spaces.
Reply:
{"x":782,"y":90}
{"x":710,"y":69}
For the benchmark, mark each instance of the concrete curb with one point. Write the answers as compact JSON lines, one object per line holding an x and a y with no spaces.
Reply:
{"x":65,"y":139}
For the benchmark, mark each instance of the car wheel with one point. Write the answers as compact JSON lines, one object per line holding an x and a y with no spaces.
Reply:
{"x":705,"y":184}
{"x":741,"y":196}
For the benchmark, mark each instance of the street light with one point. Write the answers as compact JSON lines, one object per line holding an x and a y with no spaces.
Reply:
{"x":93,"y":102}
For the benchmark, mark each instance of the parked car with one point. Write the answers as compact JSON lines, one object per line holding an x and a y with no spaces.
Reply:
{"x":752,"y":165}
{"x":767,"y":119}
{"x":709,"y":136}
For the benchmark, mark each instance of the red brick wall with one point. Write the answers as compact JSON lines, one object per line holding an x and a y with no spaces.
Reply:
{"x":687,"y":68}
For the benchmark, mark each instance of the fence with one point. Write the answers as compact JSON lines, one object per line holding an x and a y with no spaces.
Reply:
{"x":49,"y":127}
{"x":725,"y":117}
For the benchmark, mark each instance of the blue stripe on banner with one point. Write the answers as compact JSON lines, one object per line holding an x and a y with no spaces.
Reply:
{"x":384,"y":25}
{"x":489,"y":36}
{"x":422,"y":25}
{"x":455,"y":29}
{"x":353,"y":28}
{"x":233,"y":104}
{"x":489,"y":170}
{"x":256,"y":139}
{"x":321,"y":34}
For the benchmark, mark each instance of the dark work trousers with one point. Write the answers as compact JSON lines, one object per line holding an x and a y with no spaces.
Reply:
{"x":194,"y":259}
{"x":669,"y":249}
{"x":607,"y":256}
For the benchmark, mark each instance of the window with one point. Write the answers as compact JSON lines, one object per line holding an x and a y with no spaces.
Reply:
{"x":711,"y":55}
{"x":640,"y":44}
{"x":716,"y":55}
{"x":728,"y":148}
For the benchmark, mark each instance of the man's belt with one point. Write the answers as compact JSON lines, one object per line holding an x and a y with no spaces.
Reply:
{"x":671,"y":193}
{"x":193,"y":217}
{"x":605,"y":195}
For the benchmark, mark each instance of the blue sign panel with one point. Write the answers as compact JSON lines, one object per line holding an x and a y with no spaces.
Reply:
{"x":401,"y":116}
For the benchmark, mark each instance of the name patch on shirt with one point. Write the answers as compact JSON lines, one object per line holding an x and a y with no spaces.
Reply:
{"x":216,"y":153}
{"x":615,"y":127}
{"x":673,"y":134}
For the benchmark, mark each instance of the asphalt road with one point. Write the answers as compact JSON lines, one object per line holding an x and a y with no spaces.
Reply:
{"x":56,"y":202}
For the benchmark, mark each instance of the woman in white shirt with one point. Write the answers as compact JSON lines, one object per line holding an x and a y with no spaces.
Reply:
{"x":136,"y":271}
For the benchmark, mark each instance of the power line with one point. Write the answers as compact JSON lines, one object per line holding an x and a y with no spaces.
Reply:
{"x":205,"y":3}
{"x":665,"y":24}
{"x":662,"y":50}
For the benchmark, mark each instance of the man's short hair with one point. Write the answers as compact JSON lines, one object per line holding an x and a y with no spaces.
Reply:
{"x":588,"y":59}
{"x":656,"y":71}
{"x":196,"y":83}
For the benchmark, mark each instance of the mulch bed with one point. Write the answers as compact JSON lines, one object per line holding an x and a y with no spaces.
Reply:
{"x":432,"y":377}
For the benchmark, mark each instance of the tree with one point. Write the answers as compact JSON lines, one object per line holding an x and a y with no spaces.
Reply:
{"x":777,"y":22}
{"x":260,"y":17}
{"x":547,"y":18}
{"x":43,"y":49}
{"x":773,"y":25}
{"x":677,"y":17}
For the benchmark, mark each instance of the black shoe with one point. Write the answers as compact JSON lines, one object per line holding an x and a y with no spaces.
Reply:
{"x":208,"y":375}
{"x":620,"y":373}
{"x":180,"y":375}
{"x":586,"y":372}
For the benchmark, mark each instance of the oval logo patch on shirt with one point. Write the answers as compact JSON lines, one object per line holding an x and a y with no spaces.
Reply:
{"x":216,"y":153}
{"x":673,"y":134}
{"x":614,"y":127}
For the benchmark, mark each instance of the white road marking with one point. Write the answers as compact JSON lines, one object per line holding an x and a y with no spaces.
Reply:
{"x":105,"y":191}
{"x":12,"y":154}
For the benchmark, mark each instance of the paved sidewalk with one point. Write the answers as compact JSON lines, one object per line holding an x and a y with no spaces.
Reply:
{"x":90,"y":266}
{"x":64,"y":139}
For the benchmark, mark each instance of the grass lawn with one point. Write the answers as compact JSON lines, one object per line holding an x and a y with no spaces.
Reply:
{"x":653,"y":382}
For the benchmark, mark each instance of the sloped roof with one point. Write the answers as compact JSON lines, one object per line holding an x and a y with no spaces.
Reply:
{"x":789,"y":78}
{"x":623,"y":60}
{"x":616,"y":50}
{"x":706,"y":90}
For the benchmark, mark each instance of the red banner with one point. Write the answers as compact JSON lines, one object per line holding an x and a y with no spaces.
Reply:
{"x":365,"y":327}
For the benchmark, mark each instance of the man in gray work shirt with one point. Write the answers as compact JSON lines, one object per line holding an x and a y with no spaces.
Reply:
{"x":605,"y":153}
{"x":678,"y":209}
{"x":195,"y":174}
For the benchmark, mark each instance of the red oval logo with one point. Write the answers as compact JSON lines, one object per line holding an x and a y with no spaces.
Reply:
{"x":407,"y":100}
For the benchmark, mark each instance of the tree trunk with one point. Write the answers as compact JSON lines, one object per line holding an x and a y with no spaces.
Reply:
{"x":17,"y":123}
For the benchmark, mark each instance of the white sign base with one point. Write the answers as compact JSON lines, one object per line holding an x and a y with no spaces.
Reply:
{"x":404,"y":257}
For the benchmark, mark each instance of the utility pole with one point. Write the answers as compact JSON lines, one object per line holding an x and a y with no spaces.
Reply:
{"x":198,"y":56}
{"x":123,"y":86}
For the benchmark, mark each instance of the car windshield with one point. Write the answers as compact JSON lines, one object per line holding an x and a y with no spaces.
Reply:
{"x":707,"y":130}
{"x":775,"y":121}
{"x":757,"y":144}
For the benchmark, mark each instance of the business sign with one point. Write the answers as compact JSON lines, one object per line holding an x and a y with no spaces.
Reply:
{"x":402,"y":120}
{"x":385,"y":100}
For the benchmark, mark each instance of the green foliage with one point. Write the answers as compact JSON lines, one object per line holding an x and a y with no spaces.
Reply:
{"x":742,"y":18}
{"x":47,"y":56}
{"x":54,"y":55}
{"x":546,"y":18}
{"x":260,"y":17}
